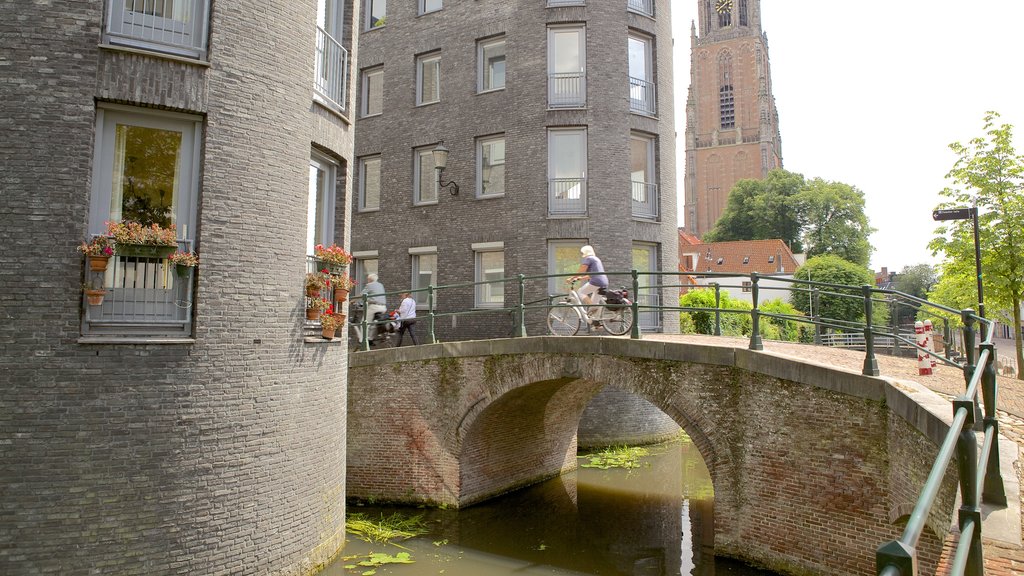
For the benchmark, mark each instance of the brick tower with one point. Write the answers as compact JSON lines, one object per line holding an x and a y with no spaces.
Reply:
{"x":732,"y":125}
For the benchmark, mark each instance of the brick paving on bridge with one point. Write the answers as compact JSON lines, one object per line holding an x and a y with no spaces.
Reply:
{"x":1001,"y":559}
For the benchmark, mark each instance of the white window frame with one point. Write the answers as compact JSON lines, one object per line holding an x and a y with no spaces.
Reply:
{"x":563,"y":200}
{"x":368,"y":22}
{"x":363,"y":205}
{"x":366,"y":262}
{"x":648,"y":296}
{"x":325,"y":198}
{"x":483,"y":69}
{"x":481,"y":191}
{"x":425,"y":8}
{"x":416,"y":256}
{"x":432,"y":60}
{"x":483,"y":296}
{"x":423,"y":159}
{"x":371,"y":76}
{"x":555,"y":86}
{"x":183,"y":34}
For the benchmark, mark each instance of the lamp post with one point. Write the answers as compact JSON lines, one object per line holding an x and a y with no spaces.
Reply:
{"x":440,"y":153}
{"x":964,"y":214}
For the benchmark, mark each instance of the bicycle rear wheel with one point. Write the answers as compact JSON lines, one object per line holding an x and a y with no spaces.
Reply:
{"x":620,"y":321}
{"x":563,"y":321}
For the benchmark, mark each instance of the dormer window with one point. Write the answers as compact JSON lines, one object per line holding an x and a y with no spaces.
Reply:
{"x":771,"y":259}
{"x":720,"y":261}
{"x":746,"y":259}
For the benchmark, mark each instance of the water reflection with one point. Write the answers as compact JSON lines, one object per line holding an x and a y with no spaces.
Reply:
{"x":653,"y":521}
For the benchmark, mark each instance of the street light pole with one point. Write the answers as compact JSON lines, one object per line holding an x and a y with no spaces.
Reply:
{"x":964,"y":214}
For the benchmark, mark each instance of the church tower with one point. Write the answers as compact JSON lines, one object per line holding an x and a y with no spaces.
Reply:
{"x":732,"y":126}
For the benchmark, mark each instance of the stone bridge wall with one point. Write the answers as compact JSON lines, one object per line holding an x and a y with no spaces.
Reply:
{"x":812,"y":468}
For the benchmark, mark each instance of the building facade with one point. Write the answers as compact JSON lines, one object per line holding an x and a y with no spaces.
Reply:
{"x":732,"y":125}
{"x":186,"y":424}
{"x":559,"y":123}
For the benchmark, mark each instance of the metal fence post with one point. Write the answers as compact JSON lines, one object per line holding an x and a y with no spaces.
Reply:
{"x":870,"y":362}
{"x":992,"y":491}
{"x":430,"y":315}
{"x":967,"y":469}
{"x":971,"y":364}
{"x":894,"y":308}
{"x":947,"y":339}
{"x":755,"y":316}
{"x":364,"y":341}
{"x":718,"y":308}
{"x":634,"y":331}
{"x":520,"y":331}
{"x":815,"y":304}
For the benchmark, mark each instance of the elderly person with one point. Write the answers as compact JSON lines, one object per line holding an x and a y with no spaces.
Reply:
{"x":376,"y":302}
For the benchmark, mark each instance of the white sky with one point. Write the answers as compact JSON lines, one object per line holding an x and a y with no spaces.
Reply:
{"x":871,"y":93}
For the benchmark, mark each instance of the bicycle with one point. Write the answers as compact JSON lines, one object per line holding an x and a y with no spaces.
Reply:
{"x":381,"y":328}
{"x":611,"y":311}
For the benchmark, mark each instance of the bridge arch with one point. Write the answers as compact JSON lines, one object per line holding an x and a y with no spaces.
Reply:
{"x":798,"y":453}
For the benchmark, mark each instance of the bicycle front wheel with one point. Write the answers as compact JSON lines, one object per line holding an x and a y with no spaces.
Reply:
{"x":563,"y":321}
{"x":620,"y":322}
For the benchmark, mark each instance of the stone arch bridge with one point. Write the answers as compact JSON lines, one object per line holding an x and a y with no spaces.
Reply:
{"x":812,"y":467}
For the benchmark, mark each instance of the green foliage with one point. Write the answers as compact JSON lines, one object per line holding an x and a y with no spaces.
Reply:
{"x":846,"y":305}
{"x":832,"y":219}
{"x":916,"y":280}
{"x":762,"y":210}
{"x":700,"y":322}
{"x":782,"y":329}
{"x":615,"y":457}
{"x":377,"y":559}
{"x":386,"y":529}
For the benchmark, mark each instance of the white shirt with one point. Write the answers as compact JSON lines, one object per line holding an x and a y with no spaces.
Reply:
{"x":407,"y":310}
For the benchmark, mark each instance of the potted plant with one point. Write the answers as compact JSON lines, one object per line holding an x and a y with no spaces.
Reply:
{"x":334,"y":257}
{"x":184,"y":262}
{"x":317,"y":282}
{"x":315,"y":306}
{"x":94,"y":294}
{"x":134,"y":239}
{"x":343,"y":284}
{"x":99,"y":251}
{"x":330,"y":322}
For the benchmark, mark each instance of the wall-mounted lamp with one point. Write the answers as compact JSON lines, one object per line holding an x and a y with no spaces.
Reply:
{"x":440,"y":153}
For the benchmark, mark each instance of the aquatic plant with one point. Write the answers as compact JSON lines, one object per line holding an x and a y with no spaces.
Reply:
{"x":393,"y":527}
{"x":615,"y":457}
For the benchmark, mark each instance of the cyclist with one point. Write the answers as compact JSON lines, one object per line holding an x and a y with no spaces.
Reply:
{"x":592,"y":270}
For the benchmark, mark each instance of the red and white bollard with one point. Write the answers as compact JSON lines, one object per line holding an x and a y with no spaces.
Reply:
{"x":924,"y":365}
{"x":931,"y":341}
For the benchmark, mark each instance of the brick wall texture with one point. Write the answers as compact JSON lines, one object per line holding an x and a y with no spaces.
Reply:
{"x":221,"y":455}
{"x":807,"y":479}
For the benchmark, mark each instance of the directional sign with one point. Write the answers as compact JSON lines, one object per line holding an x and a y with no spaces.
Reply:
{"x":952,"y":214}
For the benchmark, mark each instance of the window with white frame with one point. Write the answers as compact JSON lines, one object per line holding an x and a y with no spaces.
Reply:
{"x":489,"y":267}
{"x":491,"y":59}
{"x":428,"y":79}
{"x":645,"y":259}
{"x":429,"y":6}
{"x":331,"y":62}
{"x":376,"y":13}
{"x":567,"y":171}
{"x":424,"y":182}
{"x":373,"y":91}
{"x":173,"y":26}
{"x":490,"y":153}
{"x":563,"y":258}
{"x":424,"y":271}
{"x":146,"y":170}
{"x":567,"y":76}
{"x":641,"y":76}
{"x":369,"y":183}
{"x":320,"y":205}
{"x":366,"y":263}
{"x":641,"y":175}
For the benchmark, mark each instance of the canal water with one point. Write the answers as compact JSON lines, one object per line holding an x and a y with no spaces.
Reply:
{"x":655,"y":520}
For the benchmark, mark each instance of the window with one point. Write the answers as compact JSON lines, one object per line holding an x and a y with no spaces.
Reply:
{"x":645,"y":7}
{"x":491,"y":57}
{"x":725,"y":18}
{"x":726,"y":105}
{"x":746,"y":285}
{"x":424,"y":272}
{"x":331,"y":74}
{"x":369,"y":184}
{"x":320,"y":206}
{"x":146,"y":170}
{"x":424,"y":180}
{"x":490,"y":153}
{"x":743,"y":13}
{"x":428,"y":79}
{"x":563,"y":258}
{"x":373,"y":91}
{"x":567,"y":166}
{"x":645,"y":259}
{"x":489,"y":267}
{"x":172,"y":26}
{"x":376,"y":13}
{"x":771,"y":259}
{"x":641,"y":175}
{"x":641,"y":77}
{"x":366,"y":263}
{"x":746,"y":259}
{"x":567,"y":79}
{"x":429,"y":6}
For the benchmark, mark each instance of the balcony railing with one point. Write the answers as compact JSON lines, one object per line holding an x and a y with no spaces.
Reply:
{"x":174,"y":27}
{"x":566,"y":2}
{"x":645,"y":7}
{"x":567,"y":90}
{"x":331,"y":68}
{"x":567,"y":196}
{"x":642,"y":97}
{"x":645,"y":200}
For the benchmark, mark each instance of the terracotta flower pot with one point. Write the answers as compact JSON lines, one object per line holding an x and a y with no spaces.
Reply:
{"x":95,"y":297}
{"x":328,"y":334}
{"x":312,"y":314}
{"x":98,"y":263}
{"x":340,"y":294}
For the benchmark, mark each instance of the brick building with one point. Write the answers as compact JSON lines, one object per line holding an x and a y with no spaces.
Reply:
{"x":186,"y":425}
{"x":732,"y":125}
{"x":560,"y":125}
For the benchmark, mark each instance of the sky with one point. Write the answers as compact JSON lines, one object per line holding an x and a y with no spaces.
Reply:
{"x":871,"y":93}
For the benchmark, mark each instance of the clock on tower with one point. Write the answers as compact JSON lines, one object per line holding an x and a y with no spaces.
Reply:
{"x":723,"y":6}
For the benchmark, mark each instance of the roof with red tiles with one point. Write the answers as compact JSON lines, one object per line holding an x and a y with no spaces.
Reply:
{"x":740,"y":257}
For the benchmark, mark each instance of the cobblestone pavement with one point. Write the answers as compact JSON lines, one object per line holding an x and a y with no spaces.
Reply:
{"x":1001,"y":559}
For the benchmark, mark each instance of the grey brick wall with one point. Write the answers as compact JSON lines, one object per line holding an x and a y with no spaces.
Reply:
{"x":223,"y":455}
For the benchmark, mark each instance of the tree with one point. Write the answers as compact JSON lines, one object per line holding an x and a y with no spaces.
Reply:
{"x":989,"y":174}
{"x":833,"y":221}
{"x":844,"y":306}
{"x":916,"y":280}
{"x":762,"y":210}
